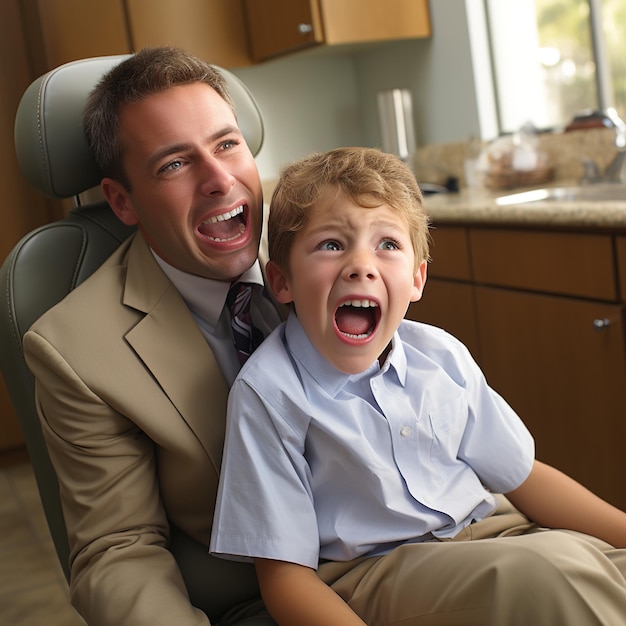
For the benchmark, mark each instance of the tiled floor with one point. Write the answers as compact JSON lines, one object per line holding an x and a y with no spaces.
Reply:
{"x":33,"y":590}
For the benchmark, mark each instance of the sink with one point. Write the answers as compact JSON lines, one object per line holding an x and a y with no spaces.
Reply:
{"x":598,"y":192}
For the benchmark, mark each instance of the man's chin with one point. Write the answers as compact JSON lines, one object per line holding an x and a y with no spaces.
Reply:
{"x":232,"y":266}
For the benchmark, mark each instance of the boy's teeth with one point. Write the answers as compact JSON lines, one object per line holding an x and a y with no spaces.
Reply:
{"x":359,"y":303}
{"x":226,"y":216}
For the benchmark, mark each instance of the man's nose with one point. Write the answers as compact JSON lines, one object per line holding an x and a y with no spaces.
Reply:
{"x":216,"y":177}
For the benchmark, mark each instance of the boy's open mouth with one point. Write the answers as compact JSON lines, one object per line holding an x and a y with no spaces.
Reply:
{"x":357,"y":319}
{"x":224,"y":227}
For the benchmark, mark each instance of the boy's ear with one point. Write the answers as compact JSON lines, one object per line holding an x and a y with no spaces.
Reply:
{"x":278,"y":282}
{"x":419,"y":280}
{"x":119,"y":201}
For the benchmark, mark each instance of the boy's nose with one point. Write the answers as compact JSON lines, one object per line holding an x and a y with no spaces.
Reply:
{"x":360,"y":266}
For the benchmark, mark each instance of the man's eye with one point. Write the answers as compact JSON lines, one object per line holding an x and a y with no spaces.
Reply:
{"x":171,"y":166}
{"x":389,"y":244}
{"x":329,"y":245}
{"x":229,"y":143}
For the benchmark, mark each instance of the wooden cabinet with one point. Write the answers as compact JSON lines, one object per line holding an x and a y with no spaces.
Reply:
{"x":621,"y":267}
{"x":59,"y":31}
{"x":548,"y":309}
{"x":230,"y":33}
{"x":566,"y":379}
{"x":277,"y":27}
{"x":448,"y":298}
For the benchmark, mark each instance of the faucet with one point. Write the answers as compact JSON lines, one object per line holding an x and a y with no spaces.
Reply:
{"x":616,"y":170}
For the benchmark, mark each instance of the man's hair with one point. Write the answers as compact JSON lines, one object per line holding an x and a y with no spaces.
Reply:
{"x":149,"y":71}
{"x":368,"y":176}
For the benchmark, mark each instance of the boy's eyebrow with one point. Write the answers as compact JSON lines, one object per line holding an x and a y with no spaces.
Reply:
{"x":335,"y":223}
{"x":183,"y":147}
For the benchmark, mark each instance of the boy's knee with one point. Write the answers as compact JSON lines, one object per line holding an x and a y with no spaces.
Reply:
{"x":552,"y":578}
{"x":541,"y":580}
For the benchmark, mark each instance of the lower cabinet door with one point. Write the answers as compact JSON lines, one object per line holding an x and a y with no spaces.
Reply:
{"x":560,"y":363}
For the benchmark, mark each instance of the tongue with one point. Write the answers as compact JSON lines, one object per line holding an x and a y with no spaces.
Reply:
{"x":221,"y":230}
{"x":353,"y":320}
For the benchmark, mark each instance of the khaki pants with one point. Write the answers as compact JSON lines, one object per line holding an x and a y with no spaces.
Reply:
{"x":502,"y":571}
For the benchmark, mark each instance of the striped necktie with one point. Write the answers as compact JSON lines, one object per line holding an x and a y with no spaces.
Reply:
{"x":245,"y":336}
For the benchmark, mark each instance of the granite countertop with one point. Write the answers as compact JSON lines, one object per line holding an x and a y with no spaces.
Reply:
{"x":479,"y":206}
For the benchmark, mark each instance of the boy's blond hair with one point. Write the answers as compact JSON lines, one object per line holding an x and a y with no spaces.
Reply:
{"x":368,"y":176}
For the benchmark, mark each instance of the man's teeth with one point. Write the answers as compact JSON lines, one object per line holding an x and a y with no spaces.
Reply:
{"x":242,"y":229}
{"x":226,"y":216}
{"x":360,"y":303}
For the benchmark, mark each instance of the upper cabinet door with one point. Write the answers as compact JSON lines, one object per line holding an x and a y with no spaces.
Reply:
{"x":58,"y":31}
{"x":360,"y":21}
{"x":213,"y":30}
{"x":278,"y":27}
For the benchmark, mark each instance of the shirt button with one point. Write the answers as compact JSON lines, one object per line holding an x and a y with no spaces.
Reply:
{"x":405,"y":431}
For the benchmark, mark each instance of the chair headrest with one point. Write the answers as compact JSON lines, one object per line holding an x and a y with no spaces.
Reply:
{"x":51,"y":147}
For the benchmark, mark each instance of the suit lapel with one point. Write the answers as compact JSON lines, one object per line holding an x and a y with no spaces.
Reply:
{"x":170,"y":344}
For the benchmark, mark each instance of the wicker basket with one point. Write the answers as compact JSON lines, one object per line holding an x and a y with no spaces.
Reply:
{"x":509,"y":178}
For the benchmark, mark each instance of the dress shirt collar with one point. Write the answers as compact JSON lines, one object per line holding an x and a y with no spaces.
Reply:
{"x":328,"y":377}
{"x":205,"y":297}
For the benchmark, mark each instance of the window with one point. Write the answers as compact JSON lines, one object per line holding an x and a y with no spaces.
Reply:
{"x":554,"y":59}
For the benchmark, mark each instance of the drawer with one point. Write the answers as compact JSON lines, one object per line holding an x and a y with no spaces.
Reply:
{"x":449,"y":252}
{"x":575,"y":264}
{"x":449,"y":305}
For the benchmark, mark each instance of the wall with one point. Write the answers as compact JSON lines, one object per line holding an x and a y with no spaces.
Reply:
{"x":441,"y":72}
{"x":309,"y":102}
{"x":21,"y":209}
{"x":317,"y":100}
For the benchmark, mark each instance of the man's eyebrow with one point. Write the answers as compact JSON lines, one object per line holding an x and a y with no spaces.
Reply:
{"x":184,"y":147}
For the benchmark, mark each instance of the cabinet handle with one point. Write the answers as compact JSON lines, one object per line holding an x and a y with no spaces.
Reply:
{"x":601,"y":324}
{"x":305,"y":29}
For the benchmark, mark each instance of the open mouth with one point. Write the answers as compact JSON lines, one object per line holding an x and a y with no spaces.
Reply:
{"x":224,"y":227}
{"x":357,"y":319}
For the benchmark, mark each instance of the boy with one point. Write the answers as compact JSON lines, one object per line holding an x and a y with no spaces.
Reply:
{"x":369,"y":447}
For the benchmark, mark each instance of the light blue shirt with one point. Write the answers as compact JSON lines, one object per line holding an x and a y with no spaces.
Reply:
{"x":321,"y":464}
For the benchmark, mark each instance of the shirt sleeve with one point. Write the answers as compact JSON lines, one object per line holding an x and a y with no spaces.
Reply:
{"x":265,"y":505}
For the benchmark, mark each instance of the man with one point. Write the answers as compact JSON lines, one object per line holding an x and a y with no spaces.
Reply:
{"x":132,"y":369}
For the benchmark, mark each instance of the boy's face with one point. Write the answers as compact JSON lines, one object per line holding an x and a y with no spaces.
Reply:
{"x":351,"y":279}
{"x":195,"y":191}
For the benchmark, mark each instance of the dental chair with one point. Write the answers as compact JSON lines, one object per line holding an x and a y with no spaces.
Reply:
{"x":52,"y":260}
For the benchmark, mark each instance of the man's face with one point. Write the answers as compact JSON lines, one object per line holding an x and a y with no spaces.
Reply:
{"x":195,"y":191}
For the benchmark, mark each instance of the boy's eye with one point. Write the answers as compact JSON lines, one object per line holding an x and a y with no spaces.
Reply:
{"x":389,"y":244}
{"x":329,"y":245}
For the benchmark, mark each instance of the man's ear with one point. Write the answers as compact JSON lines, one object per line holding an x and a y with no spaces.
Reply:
{"x":419,"y":280}
{"x":119,"y":201}
{"x":279,"y":282}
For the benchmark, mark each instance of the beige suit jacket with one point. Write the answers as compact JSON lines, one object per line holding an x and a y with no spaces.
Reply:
{"x":133,"y":405}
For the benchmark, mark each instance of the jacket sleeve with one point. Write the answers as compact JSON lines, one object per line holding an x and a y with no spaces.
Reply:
{"x":121,"y":569}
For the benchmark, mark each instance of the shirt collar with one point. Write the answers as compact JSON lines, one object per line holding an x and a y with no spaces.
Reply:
{"x":328,"y":377}
{"x":205,"y":297}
